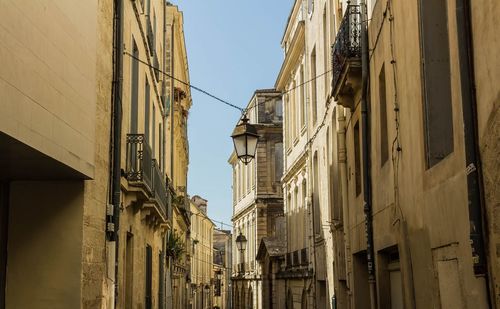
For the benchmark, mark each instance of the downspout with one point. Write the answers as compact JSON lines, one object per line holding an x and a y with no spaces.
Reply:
{"x":475,"y":190}
{"x":172,"y":101}
{"x":163,"y":286}
{"x":366,"y":157}
{"x":342,"y":161}
{"x":113,"y":223}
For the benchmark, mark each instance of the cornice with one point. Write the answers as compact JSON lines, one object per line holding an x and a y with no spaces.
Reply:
{"x":293,"y":55}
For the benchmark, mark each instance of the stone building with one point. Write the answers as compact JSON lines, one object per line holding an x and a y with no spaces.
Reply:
{"x":202,"y":274}
{"x":222,"y":268}
{"x":308,"y":264}
{"x":257,"y":196}
{"x":180,"y":265}
{"x":416,"y":118}
{"x":55,"y":90}
{"x":155,"y":155}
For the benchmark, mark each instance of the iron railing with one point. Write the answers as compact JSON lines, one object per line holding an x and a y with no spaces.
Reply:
{"x":159,"y":188}
{"x":296,"y":261}
{"x":288,"y":258}
{"x":139,"y":160}
{"x":304,"y":259}
{"x":348,"y":41}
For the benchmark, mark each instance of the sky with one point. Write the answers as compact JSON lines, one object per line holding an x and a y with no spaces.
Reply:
{"x":233,"y":48}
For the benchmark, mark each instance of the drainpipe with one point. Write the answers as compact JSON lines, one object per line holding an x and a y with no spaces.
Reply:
{"x":475,"y":190}
{"x":172,"y":101}
{"x":366,"y":157}
{"x":342,"y":161}
{"x":113,"y":221}
{"x":163,"y":285}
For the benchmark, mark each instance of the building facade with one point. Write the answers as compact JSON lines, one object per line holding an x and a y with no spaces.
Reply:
{"x":154,"y":156}
{"x":202,"y":267}
{"x":222,"y":268}
{"x":414,"y":108}
{"x":54,"y":141}
{"x":257,"y":196}
{"x":302,"y":217}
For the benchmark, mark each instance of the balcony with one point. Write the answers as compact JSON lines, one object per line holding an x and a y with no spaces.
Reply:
{"x":304,"y":259}
{"x":346,"y":58}
{"x":139,"y":162}
{"x":296,"y":261}
{"x":159,"y":188}
{"x":143,"y":172}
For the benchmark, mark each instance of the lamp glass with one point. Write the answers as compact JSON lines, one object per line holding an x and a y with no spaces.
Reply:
{"x":245,"y":140}
{"x":241,"y":242}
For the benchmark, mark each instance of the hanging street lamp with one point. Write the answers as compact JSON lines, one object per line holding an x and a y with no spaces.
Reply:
{"x":245,"y":139}
{"x":241,"y":242}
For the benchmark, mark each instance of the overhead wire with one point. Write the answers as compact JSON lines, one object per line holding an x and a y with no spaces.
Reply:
{"x":241,"y":109}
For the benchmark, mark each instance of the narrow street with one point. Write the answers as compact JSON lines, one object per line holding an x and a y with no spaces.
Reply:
{"x":284,"y":154}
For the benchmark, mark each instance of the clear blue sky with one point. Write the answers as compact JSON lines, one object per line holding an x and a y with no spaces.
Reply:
{"x":233,"y":48}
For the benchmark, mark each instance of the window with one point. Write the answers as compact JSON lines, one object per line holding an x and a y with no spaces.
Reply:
{"x":279,"y":109}
{"x":302,"y":98}
{"x":149,"y":277}
{"x":438,"y":121}
{"x":160,"y":141}
{"x":357,"y":159}
{"x":310,"y":6}
{"x":129,"y":271}
{"x":278,"y":164}
{"x":146,"y":110}
{"x":304,"y":217}
{"x":316,"y":200}
{"x":313,"y":86}
{"x":384,"y":147}
{"x":134,"y":89}
{"x":287,"y":120}
{"x":293,"y":105}
{"x":160,"y":279}
{"x":325,"y":54}
{"x":153,"y":138}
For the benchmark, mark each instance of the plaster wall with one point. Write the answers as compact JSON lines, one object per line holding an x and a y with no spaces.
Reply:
{"x":96,"y":287}
{"x":45,"y":245}
{"x":485,"y":20}
{"x":421,"y":210}
{"x":320,"y":35}
{"x":48,"y":79}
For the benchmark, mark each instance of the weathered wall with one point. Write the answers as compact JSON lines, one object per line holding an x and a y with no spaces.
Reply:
{"x":96,"y":290}
{"x":421,"y":210}
{"x":485,"y":20}
{"x":48,"y":78}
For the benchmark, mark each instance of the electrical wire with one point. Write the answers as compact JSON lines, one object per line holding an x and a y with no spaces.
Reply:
{"x":207,"y":217}
{"x":242,"y":110}
{"x":396,"y":144}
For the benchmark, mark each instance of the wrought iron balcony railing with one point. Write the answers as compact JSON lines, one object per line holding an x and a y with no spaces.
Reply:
{"x":304,"y":259}
{"x":347,"y":46}
{"x":159,"y":188}
{"x":139,"y":161}
{"x":296,"y":261}
{"x":143,"y":171}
